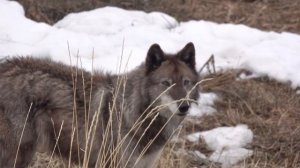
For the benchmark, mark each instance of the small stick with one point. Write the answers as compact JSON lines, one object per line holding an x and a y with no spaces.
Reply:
{"x":210,"y":61}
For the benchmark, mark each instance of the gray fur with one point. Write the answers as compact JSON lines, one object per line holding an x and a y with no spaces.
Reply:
{"x":51,"y":94}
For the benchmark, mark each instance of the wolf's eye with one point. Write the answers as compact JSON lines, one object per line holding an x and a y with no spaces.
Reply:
{"x":166,"y":83}
{"x":186,"y":82}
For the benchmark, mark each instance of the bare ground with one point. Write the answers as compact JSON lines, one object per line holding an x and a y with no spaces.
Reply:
{"x":271,"y":109}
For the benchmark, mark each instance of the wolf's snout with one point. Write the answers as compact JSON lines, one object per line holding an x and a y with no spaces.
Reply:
{"x":183,"y":109}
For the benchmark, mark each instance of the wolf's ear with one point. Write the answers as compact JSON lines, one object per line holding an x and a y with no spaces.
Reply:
{"x":155,"y":57}
{"x":187,"y":55}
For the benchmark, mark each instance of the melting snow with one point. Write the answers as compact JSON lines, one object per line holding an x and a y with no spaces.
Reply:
{"x":103,"y":35}
{"x":205,"y":105}
{"x":107,"y":36}
{"x":227,"y":143}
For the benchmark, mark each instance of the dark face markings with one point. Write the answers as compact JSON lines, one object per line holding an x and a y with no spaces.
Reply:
{"x":177,"y":75}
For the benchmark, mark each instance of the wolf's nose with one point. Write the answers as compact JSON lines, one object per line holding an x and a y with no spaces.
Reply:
{"x":183,"y":109}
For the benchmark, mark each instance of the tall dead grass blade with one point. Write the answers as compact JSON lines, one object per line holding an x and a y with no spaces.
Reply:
{"x":22,"y":133}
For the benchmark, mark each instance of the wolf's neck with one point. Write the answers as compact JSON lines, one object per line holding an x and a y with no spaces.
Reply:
{"x":151,"y":127}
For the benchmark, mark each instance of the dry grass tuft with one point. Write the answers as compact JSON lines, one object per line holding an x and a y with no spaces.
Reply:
{"x":270,"y":109}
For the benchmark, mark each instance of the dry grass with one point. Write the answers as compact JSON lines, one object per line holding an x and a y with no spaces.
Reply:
{"x":271,"y":109}
{"x":110,"y":154}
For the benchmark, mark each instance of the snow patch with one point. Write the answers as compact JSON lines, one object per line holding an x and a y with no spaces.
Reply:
{"x":227,"y":143}
{"x":204,"y":106}
{"x":107,"y":35}
{"x":113,"y":20}
{"x":231,"y":156}
{"x":228,"y":137}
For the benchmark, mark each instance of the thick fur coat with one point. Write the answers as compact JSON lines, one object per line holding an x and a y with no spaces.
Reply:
{"x":94,"y":119}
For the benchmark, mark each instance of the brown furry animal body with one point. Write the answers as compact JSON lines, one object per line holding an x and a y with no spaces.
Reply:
{"x":99,"y":119}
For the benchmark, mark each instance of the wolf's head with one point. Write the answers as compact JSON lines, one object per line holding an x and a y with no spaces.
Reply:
{"x":172,"y":78}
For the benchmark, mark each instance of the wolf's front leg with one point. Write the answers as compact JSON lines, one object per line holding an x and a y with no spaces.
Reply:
{"x":13,"y":155}
{"x":7,"y":151}
{"x":8,"y":145}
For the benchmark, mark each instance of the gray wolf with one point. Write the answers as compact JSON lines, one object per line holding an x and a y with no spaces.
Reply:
{"x":94,"y":119}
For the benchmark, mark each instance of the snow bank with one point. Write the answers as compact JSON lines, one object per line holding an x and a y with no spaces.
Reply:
{"x":115,"y":20}
{"x":103,"y":35}
{"x":106,"y":37}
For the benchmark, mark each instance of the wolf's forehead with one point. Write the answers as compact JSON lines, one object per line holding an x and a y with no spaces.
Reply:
{"x":176,"y":69}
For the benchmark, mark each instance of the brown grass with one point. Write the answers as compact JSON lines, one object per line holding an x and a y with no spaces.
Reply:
{"x":271,"y":109}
